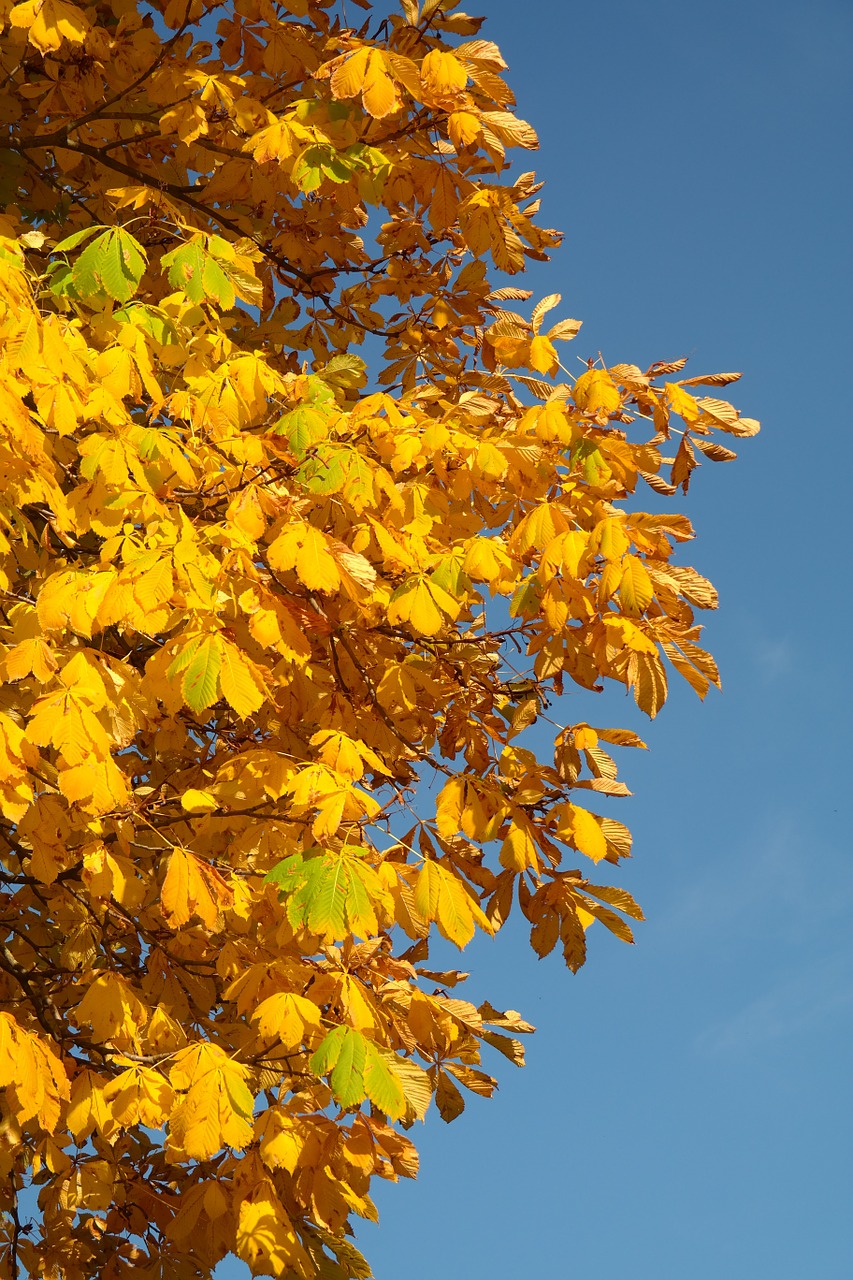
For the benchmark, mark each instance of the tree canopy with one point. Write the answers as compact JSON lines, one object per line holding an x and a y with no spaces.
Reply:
{"x":284,"y":627}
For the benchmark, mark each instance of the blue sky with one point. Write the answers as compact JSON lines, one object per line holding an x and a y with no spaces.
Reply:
{"x":685,"y":1109}
{"x":685,"y":1112}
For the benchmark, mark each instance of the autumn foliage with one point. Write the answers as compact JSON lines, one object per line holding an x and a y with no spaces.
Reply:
{"x":278,"y":620}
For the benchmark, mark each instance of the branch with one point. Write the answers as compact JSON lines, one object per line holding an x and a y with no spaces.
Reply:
{"x":9,"y":965}
{"x":140,"y":80}
{"x":182,"y":194}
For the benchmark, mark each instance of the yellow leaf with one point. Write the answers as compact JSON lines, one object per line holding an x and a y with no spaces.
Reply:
{"x":609,"y":539}
{"x":682,"y":403}
{"x":538,"y":528}
{"x":217,"y":1106}
{"x":543,"y":356}
{"x":288,"y":1018}
{"x":518,"y":851}
{"x":444,"y":205}
{"x":367,"y":72}
{"x":306,"y":549}
{"x":240,"y":681}
{"x":32,"y":1074}
{"x":442,"y":73}
{"x":348,"y":76}
{"x":194,"y":801}
{"x":113,"y":1011}
{"x":635,"y":588}
{"x":88,"y":1109}
{"x":464,"y":128}
{"x":140,"y":1095}
{"x":465,"y":805}
{"x":265,"y":1237}
{"x":582,"y":830}
{"x":596,"y":393}
{"x":192,"y":888}
{"x":49,"y":22}
{"x":441,"y":896}
{"x":379,"y":93}
{"x":625,"y":632}
{"x":415,"y":604}
{"x":648,"y":678}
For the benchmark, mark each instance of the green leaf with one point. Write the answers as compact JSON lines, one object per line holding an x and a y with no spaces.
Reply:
{"x":239,"y":1095}
{"x":382,"y":1085}
{"x":186,"y":269}
{"x":60,"y":279}
{"x":347,"y":1078}
{"x":337,"y":468}
{"x":327,"y":1053}
{"x":124,"y":266}
{"x":373,"y":169}
{"x":183,"y":659}
{"x":323,"y":475}
{"x":414,"y":1082}
{"x":216,"y":284}
{"x":318,"y":392}
{"x":87,"y":268}
{"x":304,"y":427}
{"x":360,"y":912}
{"x":525,"y":599}
{"x":150,"y":320}
{"x":331,"y":894}
{"x":112,"y":264}
{"x":591,"y":460}
{"x":343,"y":1056}
{"x":325,"y":899}
{"x":289,"y":874}
{"x":320,"y":161}
{"x":201,"y":682}
{"x":451,"y":577}
{"x":72,"y":241}
{"x":345,"y":371}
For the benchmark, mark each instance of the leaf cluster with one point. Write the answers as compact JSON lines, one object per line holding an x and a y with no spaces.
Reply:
{"x":256,"y":592}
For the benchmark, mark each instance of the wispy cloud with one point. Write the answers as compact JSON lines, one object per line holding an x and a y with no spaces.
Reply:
{"x":764,"y":895}
{"x":760,"y":882}
{"x":773,"y":658}
{"x":821,"y":991}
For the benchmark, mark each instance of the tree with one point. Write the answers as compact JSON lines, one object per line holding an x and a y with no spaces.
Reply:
{"x":249,"y":604}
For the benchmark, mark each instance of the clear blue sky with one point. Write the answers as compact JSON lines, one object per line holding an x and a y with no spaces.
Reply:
{"x":685,"y":1114}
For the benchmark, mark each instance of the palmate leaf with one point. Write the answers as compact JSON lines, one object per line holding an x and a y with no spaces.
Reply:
{"x":152,"y":320}
{"x":113,"y":263}
{"x":241,"y":687}
{"x":304,"y":427}
{"x":342,"y":1056}
{"x":331,"y":894}
{"x":288,"y":874}
{"x":324,"y":474}
{"x":206,"y":270}
{"x":359,"y":1069}
{"x":320,"y":905}
{"x":337,"y":469}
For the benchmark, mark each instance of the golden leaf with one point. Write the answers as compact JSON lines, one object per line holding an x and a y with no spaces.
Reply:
{"x":192,"y":888}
